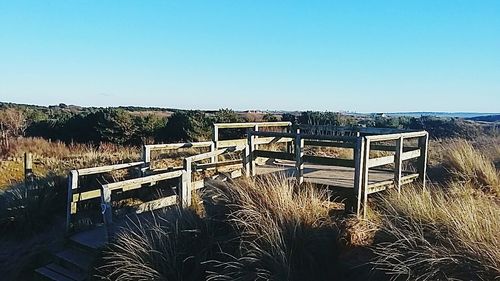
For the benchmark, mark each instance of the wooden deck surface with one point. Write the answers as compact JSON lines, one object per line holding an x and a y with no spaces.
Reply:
{"x":332,"y":176}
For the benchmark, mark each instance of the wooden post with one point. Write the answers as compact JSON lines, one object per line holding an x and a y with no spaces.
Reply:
{"x":358,"y":172}
{"x":28,"y":173}
{"x":299,"y":153}
{"x":106,"y":210}
{"x":398,"y":163}
{"x":251,"y":158}
{"x":185,"y":192}
{"x":71,"y":205}
{"x":146,"y":158}
{"x":213,"y":159}
{"x":423,"y":143}
{"x":365,"y":176}
{"x":215,"y":140}
{"x":289,"y":144}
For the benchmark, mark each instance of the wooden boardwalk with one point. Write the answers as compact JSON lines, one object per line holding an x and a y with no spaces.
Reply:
{"x":331,"y":176}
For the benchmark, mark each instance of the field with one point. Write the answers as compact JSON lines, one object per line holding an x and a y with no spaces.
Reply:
{"x":268,"y":228}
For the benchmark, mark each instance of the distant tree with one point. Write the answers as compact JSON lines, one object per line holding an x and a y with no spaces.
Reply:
{"x":115,"y":125}
{"x":192,"y":125}
{"x":289,"y":117}
{"x":226,"y":115}
{"x":148,"y":127}
{"x":268,"y":117}
{"x":13,"y":123}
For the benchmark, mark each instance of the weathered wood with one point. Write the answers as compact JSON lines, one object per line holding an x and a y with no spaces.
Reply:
{"x":366,"y":170}
{"x":107,"y":169}
{"x":274,"y":155}
{"x":107,"y":212}
{"x":200,"y":167}
{"x":28,"y":174}
{"x":383,"y":185}
{"x":358,"y":173}
{"x":329,"y":144}
{"x":423,"y":144}
{"x":380,"y":161}
{"x":410,"y":154}
{"x":389,"y":137}
{"x":398,"y":160}
{"x":87,"y":195}
{"x":321,"y":160}
{"x":251,"y":153}
{"x":186,"y":187}
{"x":299,"y":154}
{"x":169,"y":146}
{"x":218,"y":152}
{"x":71,"y":206}
{"x":139,"y":182}
{"x":156,"y":204}
{"x":251,"y":125}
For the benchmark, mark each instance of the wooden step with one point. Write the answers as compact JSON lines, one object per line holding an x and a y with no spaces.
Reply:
{"x":46,"y":273}
{"x":73,"y":257}
{"x":91,"y":240}
{"x":74,"y":275}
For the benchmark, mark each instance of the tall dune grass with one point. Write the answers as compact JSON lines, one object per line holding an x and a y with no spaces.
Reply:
{"x":264,"y":229}
{"x":470,"y":165}
{"x":439,"y":234}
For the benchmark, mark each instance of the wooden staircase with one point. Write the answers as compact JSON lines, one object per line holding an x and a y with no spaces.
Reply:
{"x":75,"y":261}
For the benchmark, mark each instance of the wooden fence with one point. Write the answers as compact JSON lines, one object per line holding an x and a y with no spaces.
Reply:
{"x":361,"y":140}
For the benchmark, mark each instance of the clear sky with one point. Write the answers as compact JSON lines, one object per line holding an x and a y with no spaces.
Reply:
{"x":361,"y":56}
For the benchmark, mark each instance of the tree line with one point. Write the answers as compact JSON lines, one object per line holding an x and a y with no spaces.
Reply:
{"x":131,"y":126}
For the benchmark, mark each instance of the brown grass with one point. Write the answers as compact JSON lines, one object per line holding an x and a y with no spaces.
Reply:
{"x":468,"y":164}
{"x":440,"y":234}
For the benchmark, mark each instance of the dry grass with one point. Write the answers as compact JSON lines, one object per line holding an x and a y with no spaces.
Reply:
{"x":441,"y":234}
{"x":56,"y":158}
{"x":265,"y":229}
{"x":468,"y":164}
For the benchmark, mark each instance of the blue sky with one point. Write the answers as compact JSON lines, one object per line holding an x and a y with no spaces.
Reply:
{"x":294,"y":55}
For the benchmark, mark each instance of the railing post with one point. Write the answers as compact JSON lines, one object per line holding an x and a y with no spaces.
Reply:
{"x":71,"y":206}
{"x":213,"y":159}
{"x":398,"y":163}
{"x":359,"y":156}
{"x":423,"y":143}
{"x":106,"y":210}
{"x":289,"y":144}
{"x":28,"y":174}
{"x":365,"y":176}
{"x":215,"y":140}
{"x":146,"y":158}
{"x":251,"y":171}
{"x":299,"y":153}
{"x":185,"y":192}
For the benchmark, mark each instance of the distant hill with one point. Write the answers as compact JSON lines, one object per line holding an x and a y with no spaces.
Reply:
{"x":486,"y":118}
{"x":466,"y":115}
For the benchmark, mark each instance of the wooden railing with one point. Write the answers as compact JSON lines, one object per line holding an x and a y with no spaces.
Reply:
{"x":361,"y":140}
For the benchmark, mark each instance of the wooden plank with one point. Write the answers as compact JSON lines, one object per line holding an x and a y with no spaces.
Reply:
{"x":186,"y":187}
{"x":218,"y":152}
{"x":410,"y":154}
{"x":274,"y":155}
{"x":70,"y":205}
{"x":229,"y":143}
{"x":272,"y":134}
{"x":106,"y":169}
{"x":320,"y":160}
{"x":137,"y":183}
{"x":216,"y":165}
{"x":365,"y":177}
{"x":251,"y":125}
{"x":376,"y":162}
{"x":87,"y":195}
{"x":329,"y":144}
{"x":389,"y":137}
{"x":156,"y":204}
{"x":383,"y":185}
{"x":334,"y":138}
{"x":168,"y":146}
